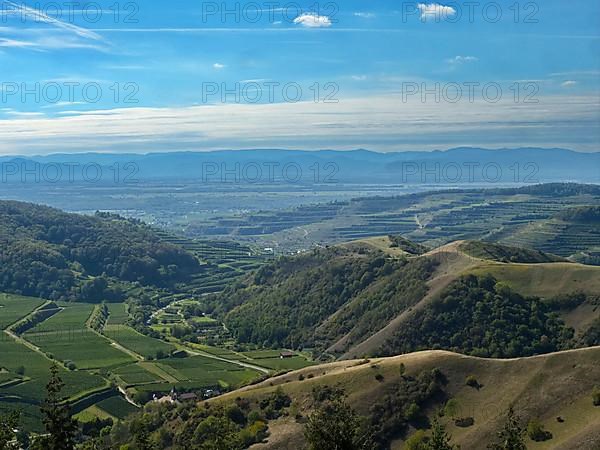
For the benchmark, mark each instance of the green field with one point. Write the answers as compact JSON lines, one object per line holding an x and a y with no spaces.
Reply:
{"x":31,"y":392}
{"x":219,"y":351}
{"x":72,"y":317}
{"x":84,"y":347}
{"x":206,"y":371}
{"x":137,"y":342}
{"x":135,"y":374}
{"x":297,"y":362}
{"x":66,"y":337}
{"x":118,"y":313}
{"x":260,"y":354}
{"x":117,"y":407}
{"x":270,"y":359}
{"x":15,"y":307}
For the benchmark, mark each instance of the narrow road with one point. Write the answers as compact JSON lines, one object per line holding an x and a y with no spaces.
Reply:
{"x":127,"y":398}
{"x":23,"y":341}
{"x":197,"y":352}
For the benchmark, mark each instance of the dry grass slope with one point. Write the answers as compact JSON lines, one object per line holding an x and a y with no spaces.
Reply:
{"x":541,"y":387}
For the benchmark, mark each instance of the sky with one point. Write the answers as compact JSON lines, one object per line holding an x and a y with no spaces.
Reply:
{"x":382,"y":75}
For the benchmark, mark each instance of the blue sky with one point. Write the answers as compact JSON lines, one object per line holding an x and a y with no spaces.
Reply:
{"x":149,"y":76}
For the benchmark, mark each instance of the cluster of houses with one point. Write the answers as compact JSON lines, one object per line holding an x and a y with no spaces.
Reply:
{"x":175,"y":397}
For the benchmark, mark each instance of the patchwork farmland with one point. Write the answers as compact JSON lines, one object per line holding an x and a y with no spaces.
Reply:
{"x":37,"y":333}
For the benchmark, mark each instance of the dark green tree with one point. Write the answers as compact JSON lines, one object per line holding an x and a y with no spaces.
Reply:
{"x":142,"y":440}
{"x":440,"y":439}
{"x":512,"y":435}
{"x":217,"y":433}
{"x":336,"y":426}
{"x":8,"y":425}
{"x":60,"y":427}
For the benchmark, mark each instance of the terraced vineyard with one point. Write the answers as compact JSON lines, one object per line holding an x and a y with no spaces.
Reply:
{"x":25,"y":374}
{"x":554,"y":235}
{"x":224,"y":261}
{"x":523,"y":216}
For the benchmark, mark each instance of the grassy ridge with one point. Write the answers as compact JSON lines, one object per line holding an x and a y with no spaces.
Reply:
{"x":545,"y":280}
{"x":541,"y":388}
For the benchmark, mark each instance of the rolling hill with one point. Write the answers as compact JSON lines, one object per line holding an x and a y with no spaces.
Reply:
{"x":370,"y":297}
{"x":60,"y":256}
{"x":554,"y":389}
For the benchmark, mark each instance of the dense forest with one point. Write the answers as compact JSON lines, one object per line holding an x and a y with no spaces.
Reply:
{"x":317,"y":298}
{"x":48,"y":253}
{"x":331,"y":300}
{"x":481,"y":317}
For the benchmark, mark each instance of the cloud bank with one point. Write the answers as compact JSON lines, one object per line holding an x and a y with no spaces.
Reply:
{"x":383,"y":123}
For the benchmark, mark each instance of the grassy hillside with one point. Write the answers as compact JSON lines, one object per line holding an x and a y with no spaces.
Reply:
{"x":545,"y":280}
{"x":505,"y":253}
{"x":542,"y":388}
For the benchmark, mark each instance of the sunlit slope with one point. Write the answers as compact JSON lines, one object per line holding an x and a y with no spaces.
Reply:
{"x":541,"y":387}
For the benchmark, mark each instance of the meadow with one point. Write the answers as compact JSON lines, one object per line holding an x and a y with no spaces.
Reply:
{"x":72,"y":316}
{"x":270,"y":359}
{"x":84,"y":347}
{"x":118,"y":313}
{"x":117,"y":407}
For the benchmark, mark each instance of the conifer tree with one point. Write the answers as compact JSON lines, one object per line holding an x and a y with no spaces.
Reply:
{"x":512,"y":435}
{"x":61,"y":429}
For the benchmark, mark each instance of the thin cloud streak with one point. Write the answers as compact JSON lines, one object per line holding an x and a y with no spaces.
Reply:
{"x":41,"y":16}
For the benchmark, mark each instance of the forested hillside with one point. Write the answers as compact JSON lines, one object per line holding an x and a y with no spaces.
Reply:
{"x":315,"y":299}
{"x":481,"y":317}
{"x":473,"y":297}
{"x":48,"y":253}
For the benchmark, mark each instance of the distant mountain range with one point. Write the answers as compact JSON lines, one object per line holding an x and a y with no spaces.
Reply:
{"x":455,"y":166}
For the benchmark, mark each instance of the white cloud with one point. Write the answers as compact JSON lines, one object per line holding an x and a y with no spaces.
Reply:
{"x":569,"y":83}
{"x":23,"y":114}
{"x":219,"y":66}
{"x":62,"y":104}
{"x":365,"y":15}
{"x":435,"y":11}
{"x":359,"y":77}
{"x":313,"y":20}
{"x":381,"y":122}
{"x":462,"y":59}
{"x":13,"y":43}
